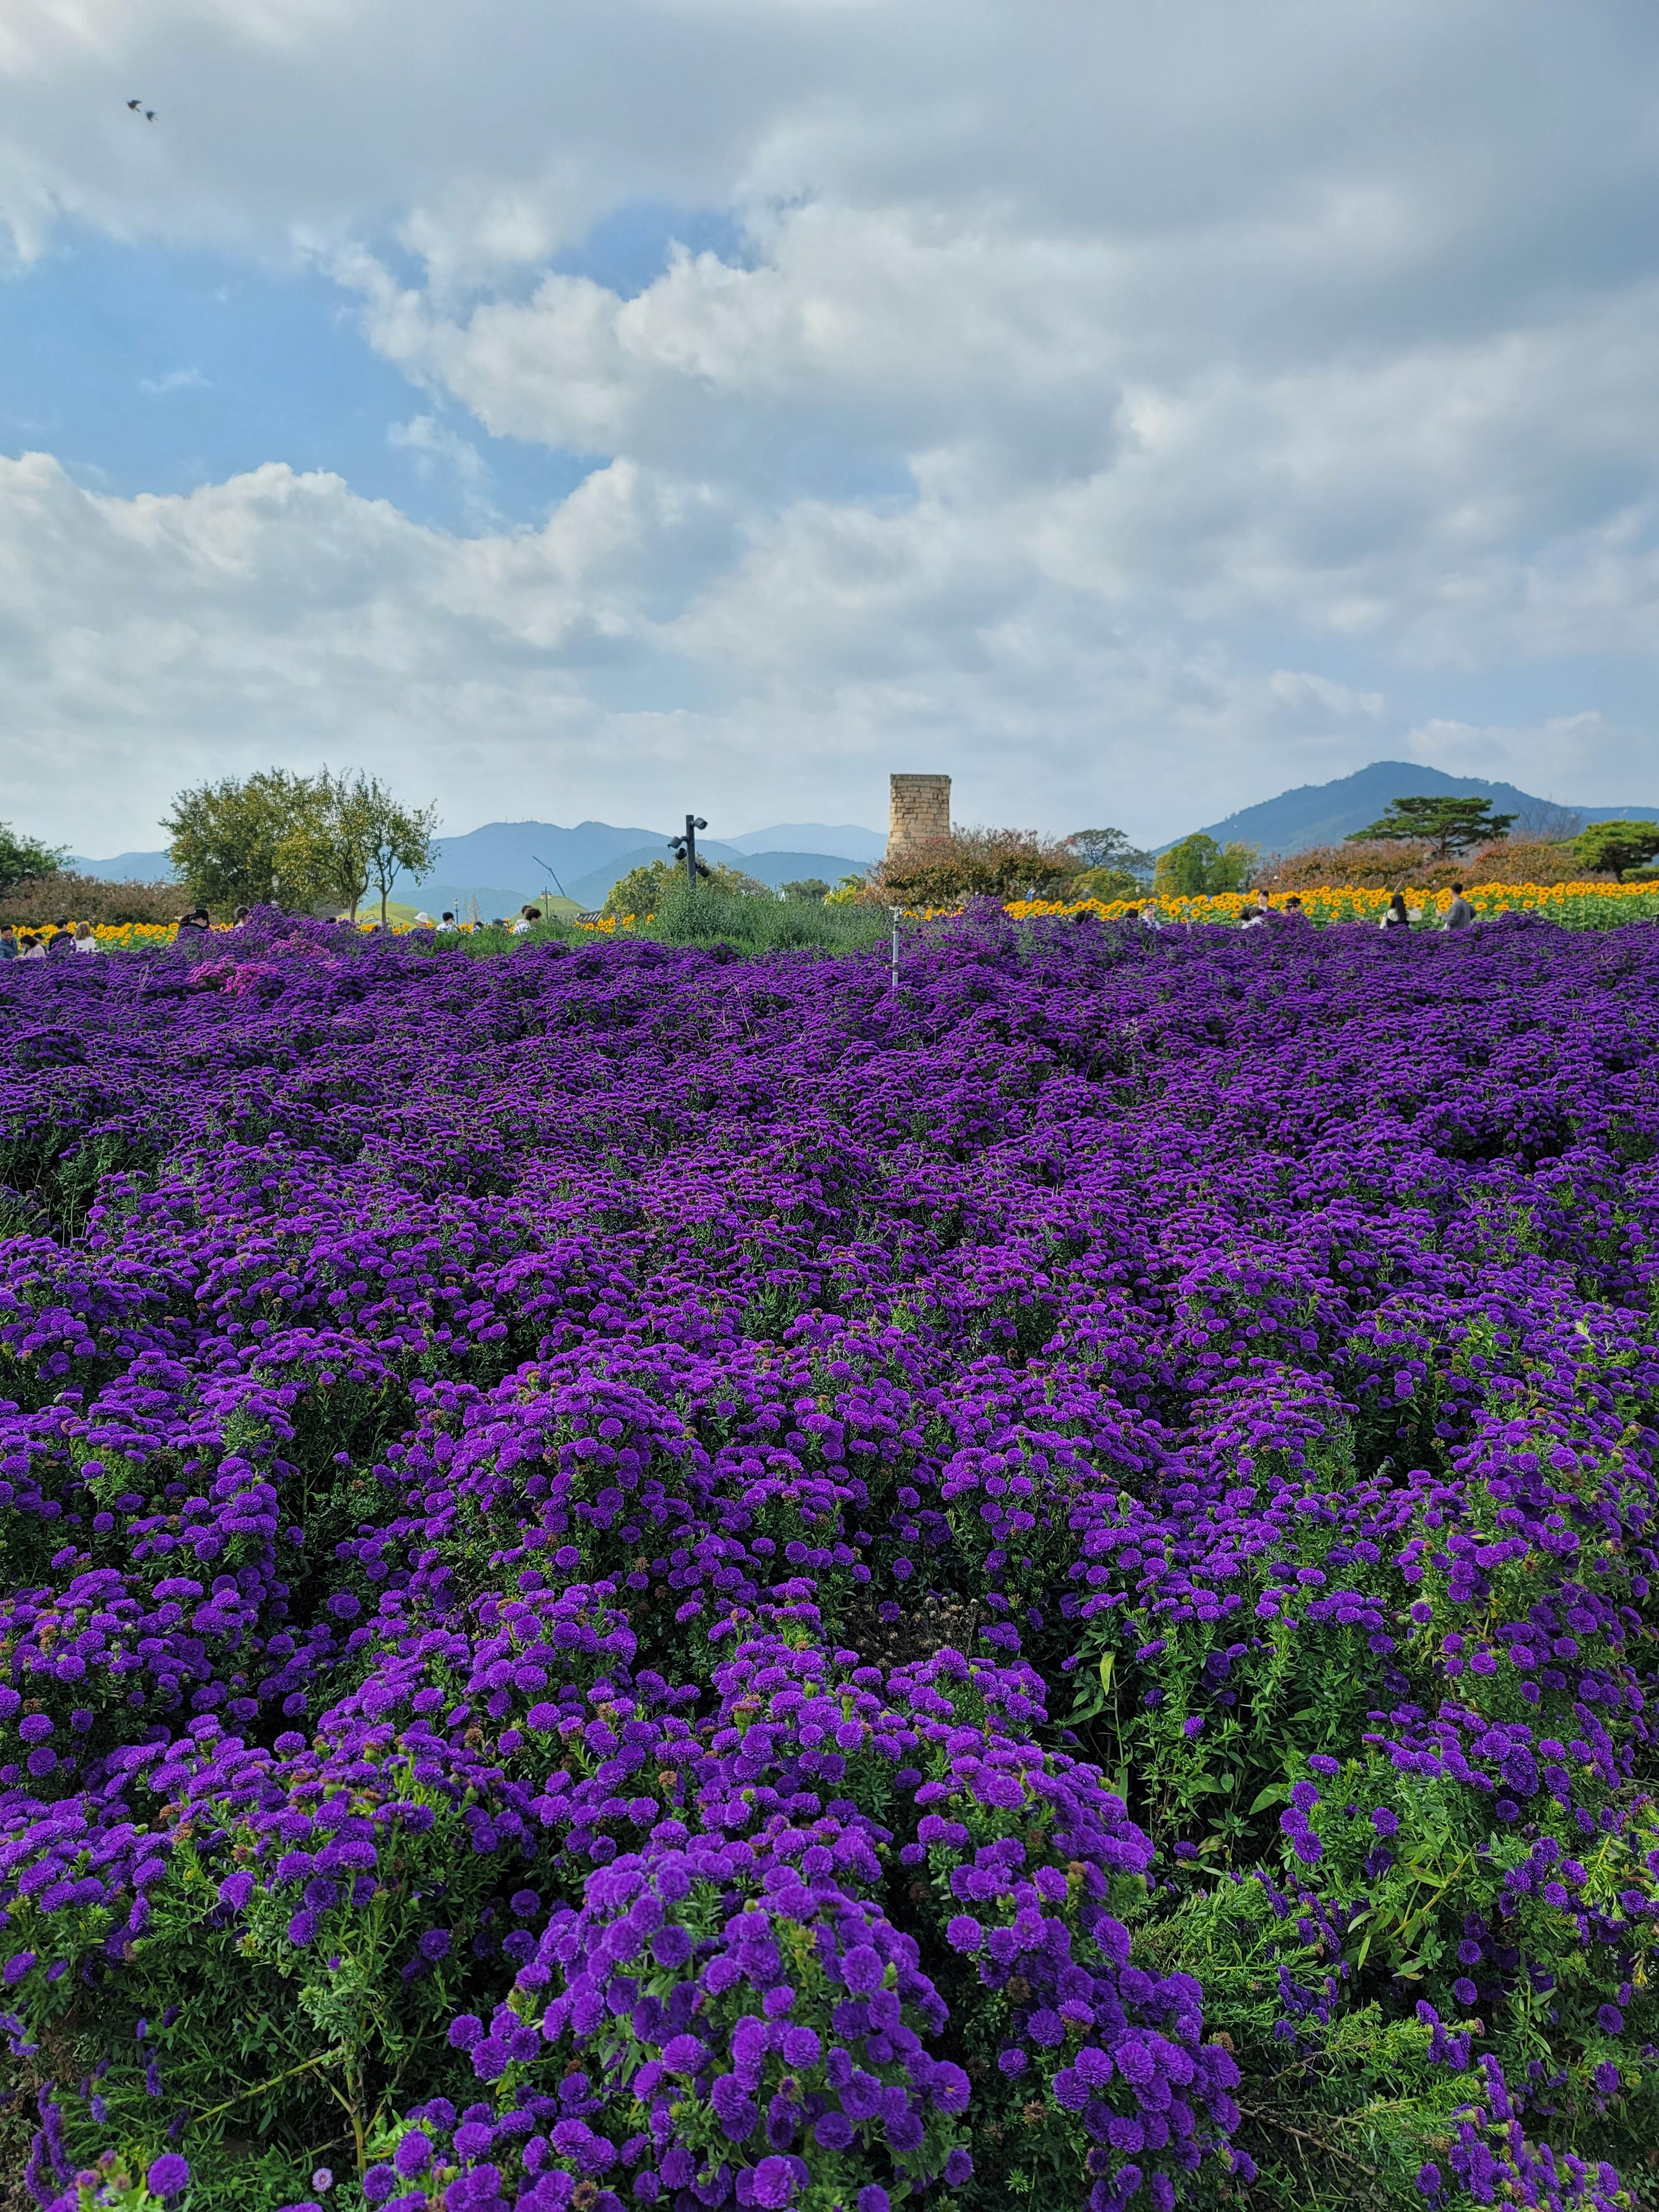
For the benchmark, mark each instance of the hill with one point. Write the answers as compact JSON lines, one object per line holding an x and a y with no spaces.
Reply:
{"x":1321,"y":813}
{"x":846,"y":842}
{"x":503,"y":863}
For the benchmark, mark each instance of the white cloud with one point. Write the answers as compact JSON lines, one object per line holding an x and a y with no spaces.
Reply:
{"x":580,"y":668}
{"x":1133,"y":410}
{"x":176,"y":380}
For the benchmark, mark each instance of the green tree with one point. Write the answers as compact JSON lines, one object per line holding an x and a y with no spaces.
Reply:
{"x":331,"y":844}
{"x":641,"y":890}
{"x":809,"y":887}
{"x":1105,"y":883}
{"x":1610,"y":847}
{"x":1197,"y":866}
{"x":25,"y":860}
{"x":251,"y":840}
{"x":1447,"y":825}
{"x":402,"y":840}
{"x":1109,"y":848}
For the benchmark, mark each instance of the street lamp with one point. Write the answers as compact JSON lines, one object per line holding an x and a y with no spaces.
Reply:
{"x":686,"y":847}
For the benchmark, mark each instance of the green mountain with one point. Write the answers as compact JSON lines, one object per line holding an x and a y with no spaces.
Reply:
{"x":1323,"y":813}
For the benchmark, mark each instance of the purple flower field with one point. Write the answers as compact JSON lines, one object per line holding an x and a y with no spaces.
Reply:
{"x":633,"y":1577}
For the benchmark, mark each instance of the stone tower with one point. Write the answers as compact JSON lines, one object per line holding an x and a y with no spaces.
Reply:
{"x":918,"y":811}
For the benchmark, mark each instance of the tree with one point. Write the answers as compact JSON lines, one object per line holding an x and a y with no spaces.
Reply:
{"x":251,"y":840}
{"x":331,"y":844}
{"x":24,"y":860}
{"x":1109,"y":849}
{"x":641,"y":890}
{"x":402,"y":840}
{"x":1196,"y":867}
{"x":1448,"y":825}
{"x":999,"y":864}
{"x":809,"y":887}
{"x":1610,"y":847}
{"x":1105,"y":883}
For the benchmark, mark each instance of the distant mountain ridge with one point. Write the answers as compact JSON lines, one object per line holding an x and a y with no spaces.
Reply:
{"x":1324,"y":813}
{"x":502,"y":865}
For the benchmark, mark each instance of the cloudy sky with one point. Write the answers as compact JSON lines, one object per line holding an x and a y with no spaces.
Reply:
{"x":577,"y":410}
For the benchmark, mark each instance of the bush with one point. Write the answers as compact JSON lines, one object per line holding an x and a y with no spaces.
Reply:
{"x":1386,"y":866}
{"x":89,"y":898}
{"x":1000,"y":863}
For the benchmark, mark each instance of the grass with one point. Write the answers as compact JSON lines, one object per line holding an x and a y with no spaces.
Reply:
{"x":747,"y":924}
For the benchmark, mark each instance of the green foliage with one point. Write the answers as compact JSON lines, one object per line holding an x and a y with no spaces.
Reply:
{"x":1196,"y":866}
{"x":401,"y":839}
{"x":25,"y":859}
{"x":247,"y":840}
{"x":1105,"y":883}
{"x":1447,"y":825}
{"x":286,"y":2057}
{"x":809,"y":887}
{"x":641,"y":891}
{"x":295,"y":840}
{"x":1109,"y":849}
{"x":713,"y":915}
{"x":1610,"y":847}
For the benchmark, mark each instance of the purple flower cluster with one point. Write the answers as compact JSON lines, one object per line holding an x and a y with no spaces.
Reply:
{"x":587,"y":1529}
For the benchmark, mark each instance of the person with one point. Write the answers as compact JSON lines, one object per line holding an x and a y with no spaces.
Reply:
{"x":1293,"y":911}
{"x":1460,"y":915}
{"x":193,"y":924}
{"x":59,"y":941}
{"x":423,"y":920}
{"x":1395,"y":915}
{"x":528,"y":916}
{"x":448,"y":924}
{"x":8,"y":947}
{"x":1149,"y":916}
{"x":33,"y":947}
{"x":241,"y":916}
{"x":1263,"y":913}
{"x":84,"y":939}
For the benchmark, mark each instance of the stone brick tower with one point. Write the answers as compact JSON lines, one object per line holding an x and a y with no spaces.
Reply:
{"x":918,"y":811}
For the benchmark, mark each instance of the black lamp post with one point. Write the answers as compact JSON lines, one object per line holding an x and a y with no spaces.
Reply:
{"x":687,"y":847}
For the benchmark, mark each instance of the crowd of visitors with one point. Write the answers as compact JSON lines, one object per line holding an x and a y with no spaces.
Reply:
{"x":51,"y":944}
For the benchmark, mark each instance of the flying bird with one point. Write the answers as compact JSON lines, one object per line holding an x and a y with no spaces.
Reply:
{"x":135,"y":103}
{"x":149,"y":115}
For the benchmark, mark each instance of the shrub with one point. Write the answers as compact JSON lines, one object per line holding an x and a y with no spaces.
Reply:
{"x":998,"y":863}
{"x":89,"y":898}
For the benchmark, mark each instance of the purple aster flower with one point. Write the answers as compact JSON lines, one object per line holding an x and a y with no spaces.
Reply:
{"x":413,"y":2155}
{"x":774,"y":2184}
{"x":862,"y":1971}
{"x":167,"y":2174}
